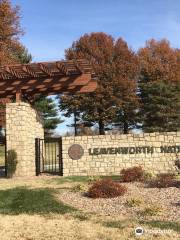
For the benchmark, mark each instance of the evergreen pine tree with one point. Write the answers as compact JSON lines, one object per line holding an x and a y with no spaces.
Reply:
{"x":159,"y":86}
{"x":48,"y":109}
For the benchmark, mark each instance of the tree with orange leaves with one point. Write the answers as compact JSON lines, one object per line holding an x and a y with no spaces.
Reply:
{"x":11,"y":50}
{"x":116,"y":68}
{"x":159,"y":86}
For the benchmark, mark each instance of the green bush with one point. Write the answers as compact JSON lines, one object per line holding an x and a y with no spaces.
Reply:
{"x":106,"y":188}
{"x":11,"y":162}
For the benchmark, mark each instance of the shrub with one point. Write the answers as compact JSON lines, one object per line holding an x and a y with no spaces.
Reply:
{"x":81,"y":216}
{"x":134,"y":202}
{"x":148,"y":176}
{"x":163,"y":180}
{"x":151,"y":211}
{"x":177,"y":164}
{"x":79,"y":188}
{"x":11,"y":163}
{"x":92,"y":179}
{"x":132,"y":174}
{"x":106,"y":188}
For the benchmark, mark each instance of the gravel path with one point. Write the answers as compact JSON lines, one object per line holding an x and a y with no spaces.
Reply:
{"x":166,"y":198}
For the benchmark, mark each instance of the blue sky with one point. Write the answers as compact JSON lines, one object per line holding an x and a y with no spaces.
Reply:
{"x":52,"y":25}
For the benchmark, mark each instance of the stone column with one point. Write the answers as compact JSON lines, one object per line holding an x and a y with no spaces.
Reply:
{"x":23,"y":125}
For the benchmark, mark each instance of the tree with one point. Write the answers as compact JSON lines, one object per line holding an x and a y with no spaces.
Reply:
{"x":161,"y":107}
{"x":10,"y":31}
{"x":48,"y":109}
{"x":70,"y":106}
{"x":115,"y":66}
{"x":23,"y":56}
{"x":12,"y":51}
{"x":160,"y":86}
{"x":126,"y":68}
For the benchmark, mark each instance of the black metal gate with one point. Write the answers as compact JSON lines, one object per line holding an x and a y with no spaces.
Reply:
{"x":3,"y":170}
{"x":49,"y":156}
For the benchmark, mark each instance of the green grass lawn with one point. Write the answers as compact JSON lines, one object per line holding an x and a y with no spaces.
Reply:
{"x":21,"y":200}
{"x":78,"y":179}
{"x":30,"y":210}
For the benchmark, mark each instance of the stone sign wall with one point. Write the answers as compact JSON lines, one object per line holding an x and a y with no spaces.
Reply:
{"x":107,"y":155}
{"x":23,"y":125}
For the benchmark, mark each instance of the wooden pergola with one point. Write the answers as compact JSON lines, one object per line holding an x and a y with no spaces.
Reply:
{"x":45,"y":78}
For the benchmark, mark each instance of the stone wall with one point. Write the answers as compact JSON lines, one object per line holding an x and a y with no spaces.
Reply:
{"x":107,"y":155}
{"x":23,"y":125}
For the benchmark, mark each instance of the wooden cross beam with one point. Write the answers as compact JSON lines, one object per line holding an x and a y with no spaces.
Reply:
{"x":61,"y":66}
{"x":12,"y":72}
{"x":46,"y":78}
{"x":28,"y":70}
{"x":45,"y":69}
{"x":18,"y":96}
{"x":79,"y":68}
{"x":3,"y":76}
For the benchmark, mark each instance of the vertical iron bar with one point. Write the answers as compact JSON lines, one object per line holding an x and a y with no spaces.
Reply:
{"x":49,"y":167}
{"x":42,"y":154}
{"x":52,"y":154}
{"x":37,"y":156}
{"x":55,"y":154}
{"x":5,"y":155}
{"x":47,"y":158}
{"x":39,"y":151}
{"x":60,"y":158}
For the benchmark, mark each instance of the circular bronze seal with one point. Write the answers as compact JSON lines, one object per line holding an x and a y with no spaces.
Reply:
{"x":75,"y":151}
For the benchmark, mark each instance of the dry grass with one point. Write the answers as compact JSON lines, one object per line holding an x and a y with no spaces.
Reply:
{"x":2,"y":155}
{"x":55,"y":225}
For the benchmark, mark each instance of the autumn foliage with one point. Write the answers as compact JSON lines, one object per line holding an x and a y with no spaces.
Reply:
{"x":132,"y":174}
{"x":163,"y":180}
{"x":159,"y":62}
{"x":10,"y":31}
{"x":135,"y":89}
{"x":159,"y":85}
{"x":116,"y":69}
{"x":106,"y":188}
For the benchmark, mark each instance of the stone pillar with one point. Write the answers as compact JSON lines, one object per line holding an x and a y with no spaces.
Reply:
{"x":23,"y":125}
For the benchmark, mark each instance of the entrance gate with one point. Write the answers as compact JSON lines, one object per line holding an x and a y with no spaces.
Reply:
{"x":48,"y":156}
{"x":2,"y":156}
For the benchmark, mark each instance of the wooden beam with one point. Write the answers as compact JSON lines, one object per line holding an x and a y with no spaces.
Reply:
{"x":38,"y":86}
{"x":18,"y":96}
{"x":28,"y":70}
{"x":57,"y":77}
{"x":79,"y":68}
{"x":90,"y":87}
{"x":55,"y":90}
{"x":82,"y":80}
{"x":12,"y":72}
{"x":2,"y":76}
{"x":61,"y":66}
{"x":45,"y":69}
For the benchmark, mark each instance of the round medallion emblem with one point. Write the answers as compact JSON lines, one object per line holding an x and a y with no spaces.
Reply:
{"x":75,"y":151}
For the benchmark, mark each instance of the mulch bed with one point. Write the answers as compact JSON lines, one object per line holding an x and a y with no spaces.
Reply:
{"x":166,"y":198}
